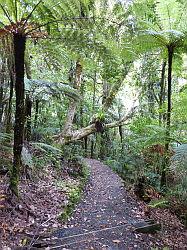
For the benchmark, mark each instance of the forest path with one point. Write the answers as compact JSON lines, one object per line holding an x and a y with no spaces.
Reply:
{"x":104,"y":218}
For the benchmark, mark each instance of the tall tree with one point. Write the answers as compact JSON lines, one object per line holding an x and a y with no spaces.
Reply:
{"x":24,"y":19}
{"x":163,"y":26}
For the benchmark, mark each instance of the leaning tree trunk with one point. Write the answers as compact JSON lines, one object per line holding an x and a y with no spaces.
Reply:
{"x":19,"y":52}
{"x":73,"y":105}
{"x":168,"y":117}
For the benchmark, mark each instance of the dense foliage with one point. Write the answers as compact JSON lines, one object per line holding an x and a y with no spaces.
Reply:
{"x":100,"y":79}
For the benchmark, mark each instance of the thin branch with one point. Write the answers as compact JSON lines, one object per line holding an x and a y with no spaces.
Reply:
{"x":69,"y":19}
{"x":54,"y":21}
{"x":6,"y":13}
{"x":30,"y":14}
{"x":155,"y":96}
{"x":16,"y":10}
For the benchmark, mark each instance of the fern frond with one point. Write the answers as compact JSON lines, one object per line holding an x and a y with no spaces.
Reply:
{"x":169,"y":13}
{"x":53,"y":88}
{"x":5,"y":136}
{"x":179,"y":160}
{"x":46,"y":148}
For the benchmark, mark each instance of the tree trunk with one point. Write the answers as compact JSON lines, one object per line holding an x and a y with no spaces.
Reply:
{"x":36,"y":113}
{"x":86,"y":145}
{"x":114,"y":89}
{"x":91,"y":129}
{"x":92,"y":149}
{"x":28,"y":111}
{"x":19,"y":52}
{"x":121,"y":133}
{"x":168,"y":117}
{"x":2,"y":83}
{"x":28,"y":102}
{"x":94,"y":93}
{"x":1,"y":105}
{"x":162,"y":92}
{"x":9,"y":110}
{"x":73,"y":105}
{"x":151,"y":99}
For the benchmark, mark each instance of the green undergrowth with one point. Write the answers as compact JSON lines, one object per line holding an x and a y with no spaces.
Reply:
{"x":74,"y":189}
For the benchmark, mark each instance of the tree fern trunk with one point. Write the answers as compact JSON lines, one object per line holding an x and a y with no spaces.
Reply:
{"x":168,"y":117}
{"x":19,"y":52}
{"x":28,"y":103}
{"x":2,"y":85}
{"x":9,"y":110}
{"x":162,"y":92}
{"x":1,"y":105}
{"x":28,"y":112}
{"x":36,"y":113}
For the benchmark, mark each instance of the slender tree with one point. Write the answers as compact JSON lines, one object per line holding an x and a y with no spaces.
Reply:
{"x":20,"y":24}
{"x":163,"y":29}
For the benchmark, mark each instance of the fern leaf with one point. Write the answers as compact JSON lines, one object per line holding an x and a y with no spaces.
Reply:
{"x":53,"y":87}
{"x":46,"y":148}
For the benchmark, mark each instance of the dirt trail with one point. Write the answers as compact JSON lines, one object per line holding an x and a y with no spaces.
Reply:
{"x":104,"y":218}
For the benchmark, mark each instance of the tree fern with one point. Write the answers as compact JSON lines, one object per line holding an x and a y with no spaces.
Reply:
{"x":167,"y":23}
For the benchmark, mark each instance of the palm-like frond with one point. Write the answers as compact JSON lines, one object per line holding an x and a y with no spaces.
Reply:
{"x":166,"y":24}
{"x":33,"y":15}
{"x":171,"y":15}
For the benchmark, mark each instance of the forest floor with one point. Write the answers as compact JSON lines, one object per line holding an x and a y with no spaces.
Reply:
{"x":104,"y":219}
{"x":43,"y":198}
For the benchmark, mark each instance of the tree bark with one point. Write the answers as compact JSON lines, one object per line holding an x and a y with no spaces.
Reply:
{"x":83,"y":132}
{"x":73,"y":105}
{"x":2,"y":82}
{"x":28,"y":103}
{"x":114,"y":90}
{"x":1,"y":104}
{"x":168,"y":117}
{"x":36,"y":113}
{"x":19,"y":41}
{"x":162,"y":92}
{"x":28,"y":111}
{"x":9,"y":110}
